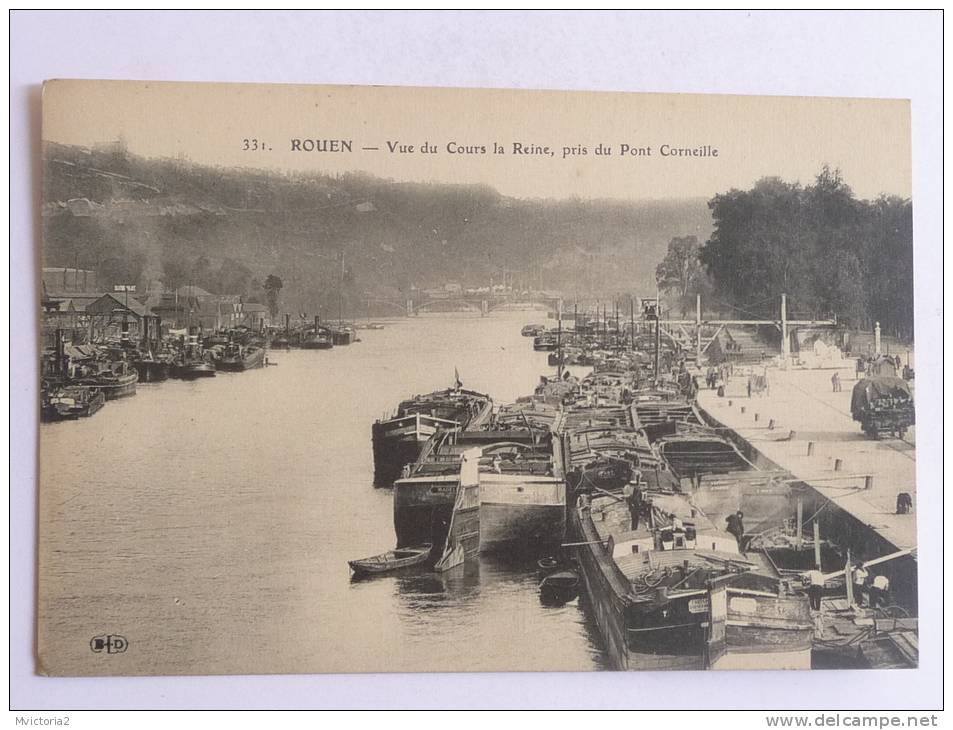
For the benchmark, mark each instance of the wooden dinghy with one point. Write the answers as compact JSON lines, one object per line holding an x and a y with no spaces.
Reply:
{"x":558,"y":588}
{"x":391,"y":560}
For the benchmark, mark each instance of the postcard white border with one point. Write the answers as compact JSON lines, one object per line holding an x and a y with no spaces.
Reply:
{"x":869,"y":54}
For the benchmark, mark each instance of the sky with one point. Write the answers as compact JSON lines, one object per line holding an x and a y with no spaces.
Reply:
{"x":736,"y":139}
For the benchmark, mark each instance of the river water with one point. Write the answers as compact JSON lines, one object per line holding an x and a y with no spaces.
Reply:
{"x":209,"y":523}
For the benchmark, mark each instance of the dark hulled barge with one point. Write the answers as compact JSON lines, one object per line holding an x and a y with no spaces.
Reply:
{"x":67,"y":403}
{"x":671,"y":591}
{"x":397,"y":440}
{"x":238,"y":358}
{"x":516,"y":481}
{"x":115,"y":379}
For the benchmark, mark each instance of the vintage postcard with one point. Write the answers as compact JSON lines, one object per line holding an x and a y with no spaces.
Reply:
{"x":369,"y":379}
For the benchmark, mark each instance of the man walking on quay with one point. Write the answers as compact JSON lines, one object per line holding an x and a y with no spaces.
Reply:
{"x":835,"y":382}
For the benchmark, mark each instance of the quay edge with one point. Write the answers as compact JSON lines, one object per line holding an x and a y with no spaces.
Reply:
{"x":851,"y":531}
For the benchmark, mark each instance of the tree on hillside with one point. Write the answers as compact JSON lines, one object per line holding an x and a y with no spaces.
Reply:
{"x":232,"y":277}
{"x":272,"y":287}
{"x":176,"y":266}
{"x":681,"y":272}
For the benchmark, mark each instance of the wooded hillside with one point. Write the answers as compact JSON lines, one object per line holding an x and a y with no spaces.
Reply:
{"x":170,"y":222}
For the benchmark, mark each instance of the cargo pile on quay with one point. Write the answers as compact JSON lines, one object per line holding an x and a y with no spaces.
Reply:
{"x":693,"y":550}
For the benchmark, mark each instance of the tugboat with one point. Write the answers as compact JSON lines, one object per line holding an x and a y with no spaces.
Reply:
{"x":546,"y":342}
{"x":115,"y":380}
{"x":238,"y":358}
{"x":281,"y":341}
{"x":152,"y":369}
{"x":192,"y":368}
{"x":282,"y":338}
{"x":190,"y":363}
{"x":317,"y":339}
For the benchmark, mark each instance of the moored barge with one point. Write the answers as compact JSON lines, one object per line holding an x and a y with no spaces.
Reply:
{"x":115,"y":380}
{"x":67,"y":403}
{"x":397,"y":440}
{"x":671,"y":591}
{"x":518,"y":476}
{"x":238,"y":358}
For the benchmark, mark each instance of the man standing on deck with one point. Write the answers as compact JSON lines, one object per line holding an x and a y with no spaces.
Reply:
{"x":815,"y":588}
{"x":860,"y":584}
{"x":879,"y":589}
{"x":633,"y":495}
{"x":737,"y":528}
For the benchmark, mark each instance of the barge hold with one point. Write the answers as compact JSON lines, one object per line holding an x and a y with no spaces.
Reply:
{"x":522,"y":486}
{"x":522,"y":493}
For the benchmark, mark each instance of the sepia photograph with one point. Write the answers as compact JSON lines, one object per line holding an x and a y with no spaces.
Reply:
{"x":349,"y":379}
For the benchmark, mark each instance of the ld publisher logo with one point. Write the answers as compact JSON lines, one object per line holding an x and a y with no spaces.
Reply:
{"x":110,"y":643}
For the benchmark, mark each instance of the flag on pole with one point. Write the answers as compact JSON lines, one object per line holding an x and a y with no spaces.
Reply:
{"x":456,"y":379}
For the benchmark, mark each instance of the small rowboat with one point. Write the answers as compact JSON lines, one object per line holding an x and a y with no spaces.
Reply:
{"x":391,"y":560}
{"x":559,"y":587}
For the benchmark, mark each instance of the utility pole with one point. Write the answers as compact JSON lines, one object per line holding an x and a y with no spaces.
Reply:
{"x":698,"y":330}
{"x":618,"y":332}
{"x":784,"y":331}
{"x":341,"y":292}
{"x":631,"y":323}
{"x":658,"y":336}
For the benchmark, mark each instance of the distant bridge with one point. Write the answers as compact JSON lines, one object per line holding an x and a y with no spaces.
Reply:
{"x":484,"y":304}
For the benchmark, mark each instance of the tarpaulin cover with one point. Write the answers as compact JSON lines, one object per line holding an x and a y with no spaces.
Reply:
{"x":869,"y":390}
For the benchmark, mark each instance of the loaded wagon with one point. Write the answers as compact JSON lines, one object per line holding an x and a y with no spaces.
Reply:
{"x":883,"y":405}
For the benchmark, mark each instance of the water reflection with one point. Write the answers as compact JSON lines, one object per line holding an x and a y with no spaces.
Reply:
{"x":200,"y":518}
